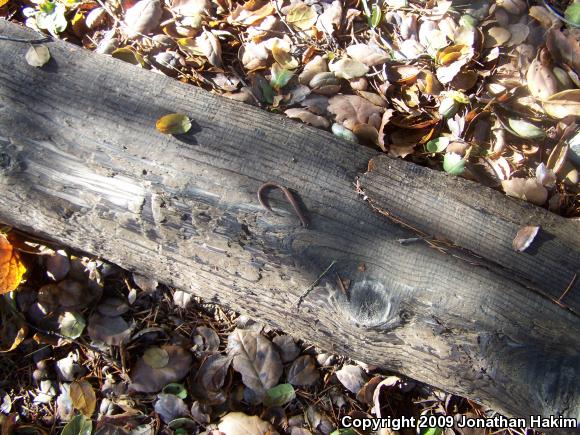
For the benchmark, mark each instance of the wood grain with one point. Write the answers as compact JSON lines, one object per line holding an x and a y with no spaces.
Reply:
{"x":81,"y":163}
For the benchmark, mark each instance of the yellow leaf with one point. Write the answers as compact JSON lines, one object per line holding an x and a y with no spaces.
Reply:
{"x":301,"y":16}
{"x":563,"y":104}
{"x":83,"y":397}
{"x":174,"y":123}
{"x":3,"y":2}
{"x":11,"y":267}
{"x":283,"y":57}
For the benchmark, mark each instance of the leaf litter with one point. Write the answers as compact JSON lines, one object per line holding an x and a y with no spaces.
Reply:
{"x":180,"y":369}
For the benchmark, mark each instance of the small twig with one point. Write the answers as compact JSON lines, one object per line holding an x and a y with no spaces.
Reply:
{"x":570,"y":285}
{"x":26,"y":41}
{"x":315,"y":283}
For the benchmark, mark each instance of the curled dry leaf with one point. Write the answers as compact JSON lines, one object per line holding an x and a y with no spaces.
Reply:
{"x":527,"y":189}
{"x":307,"y":117}
{"x":240,"y":423}
{"x":37,"y":55}
{"x":142,"y":17}
{"x":12,"y":268}
{"x":303,"y":371}
{"x":256,"y":359}
{"x":251,"y":12}
{"x":524,"y":238}
{"x":146,"y":379}
{"x":352,"y":377}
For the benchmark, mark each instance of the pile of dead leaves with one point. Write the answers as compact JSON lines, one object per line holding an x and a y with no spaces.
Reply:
{"x":485,"y":90}
{"x":88,"y":348}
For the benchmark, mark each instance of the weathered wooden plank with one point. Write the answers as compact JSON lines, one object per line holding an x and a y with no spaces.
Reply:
{"x":81,"y":162}
{"x":483,"y":221}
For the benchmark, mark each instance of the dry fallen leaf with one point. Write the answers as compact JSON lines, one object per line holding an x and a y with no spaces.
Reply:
{"x":142,"y":17}
{"x":146,"y":379}
{"x":111,"y":330}
{"x":307,"y":117}
{"x":352,"y":377}
{"x":83,"y":397}
{"x":352,"y":110}
{"x":256,"y":359}
{"x":37,"y":55}
{"x":12,"y":268}
{"x":212,"y":49}
{"x":524,"y":238}
{"x":348,"y":69}
{"x":238,"y":423}
{"x":563,"y":104}
{"x":528,"y":189}
{"x":303,"y":371}
{"x":301,"y":16}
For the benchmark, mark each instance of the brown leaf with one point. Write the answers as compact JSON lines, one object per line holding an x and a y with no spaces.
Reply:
{"x":352,"y":110}
{"x":303,"y":371}
{"x":528,"y":189}
{"x":541,"y":80}
{"x":307,"y":117}
{"x":83,"y":397}
{"x":563,"y":104}
{"x":111,"y":330}
{"x":142,"y":17}
{"x":524,"y":238}
{"x":212,"y":372}
{"x":370,"y":55}
{"x":240,"y":423}
{"x":565,"y":49}
{"x":256,"y":359}
{"x":352,"y":377}
{"x":211,"y":47}
{"x":496,"y":36}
